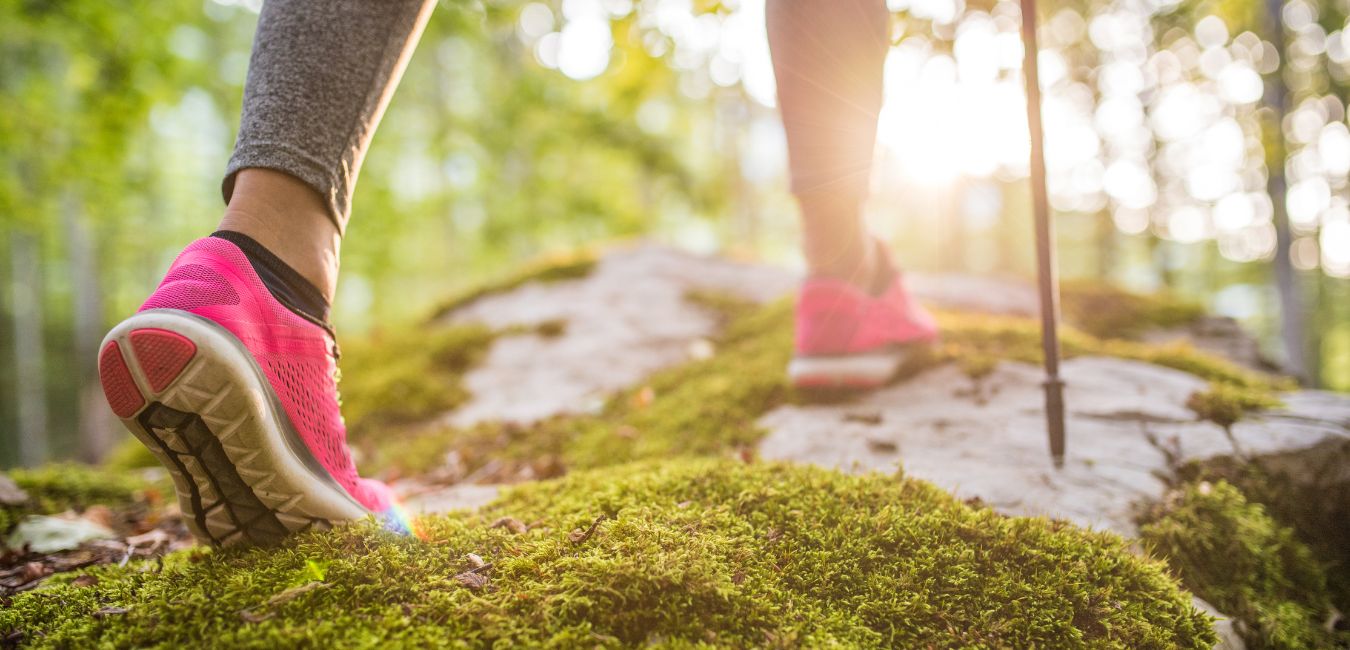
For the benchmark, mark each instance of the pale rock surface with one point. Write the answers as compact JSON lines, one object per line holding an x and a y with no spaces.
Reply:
{"x":1128,"y":427}
{"x":625,"y":320}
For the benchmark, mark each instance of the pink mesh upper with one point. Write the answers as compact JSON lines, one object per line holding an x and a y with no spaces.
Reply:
{"x":836,"y":318}
{"x":213,"y":279}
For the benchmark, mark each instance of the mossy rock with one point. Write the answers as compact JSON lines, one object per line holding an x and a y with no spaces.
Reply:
{"x":1106,"y":311}
{"x":553,"y":268}
{"x":712,"y":406}
{"x":680,"y":554}
{"x":406,"y":375}
{"x":1225,"y":404}
{"x":60,"y":487}
{"x":1233,"y":554}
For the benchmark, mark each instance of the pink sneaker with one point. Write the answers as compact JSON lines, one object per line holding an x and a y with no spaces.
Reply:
{"x":847,"y":338}
{"x":236,"y":396}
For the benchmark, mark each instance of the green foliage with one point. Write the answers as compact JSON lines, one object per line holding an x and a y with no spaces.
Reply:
{"x":1105,"y":311}
{"x":1235,"y":556}
{"x":679,"y":554}
{"x":1225,"y":404}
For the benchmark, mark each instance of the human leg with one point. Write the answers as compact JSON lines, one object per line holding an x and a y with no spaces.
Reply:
{"x":828,"y":57}
{"x":228,"y":371}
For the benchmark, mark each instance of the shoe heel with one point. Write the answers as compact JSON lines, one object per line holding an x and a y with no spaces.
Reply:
{"x":161,"y":356}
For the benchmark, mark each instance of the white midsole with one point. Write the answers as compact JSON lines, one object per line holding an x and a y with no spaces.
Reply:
{"x":872,"y":367}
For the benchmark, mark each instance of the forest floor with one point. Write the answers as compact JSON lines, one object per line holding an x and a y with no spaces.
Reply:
{"x":603,"y":452}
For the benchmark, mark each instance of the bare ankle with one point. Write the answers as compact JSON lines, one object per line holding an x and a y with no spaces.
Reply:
{"x":289,"y":219}
{"x":836,"y":242}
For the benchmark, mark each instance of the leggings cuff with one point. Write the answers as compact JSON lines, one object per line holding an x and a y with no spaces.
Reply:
{"x":332,"y":188}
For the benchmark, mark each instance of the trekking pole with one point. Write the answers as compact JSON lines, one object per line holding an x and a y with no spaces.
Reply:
{"x":1046,"y":276}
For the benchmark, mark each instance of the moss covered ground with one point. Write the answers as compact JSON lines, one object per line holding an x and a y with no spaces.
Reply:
{"x":60,"y":487}
{"x":674,"y":554}
{"x":662,"y":531}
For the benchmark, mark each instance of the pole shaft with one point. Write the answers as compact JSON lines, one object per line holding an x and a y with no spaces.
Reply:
{"x":1046,"y":275}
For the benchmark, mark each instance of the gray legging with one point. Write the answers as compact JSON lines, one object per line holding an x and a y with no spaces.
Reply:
{"x":322,"y":73}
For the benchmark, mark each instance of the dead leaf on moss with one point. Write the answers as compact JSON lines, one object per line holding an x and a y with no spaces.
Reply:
{"x":472,"y":580}
{"x":99,"y":514}
{"x":644,"y":397}
{"x":105,"y":612}
{"x":250,"y":617}
{"x":510,"y":523}
{"x":84,"y":580}
{"x":578,"y":536}
{"x":295,"y":592}
{"x":253,"y":615}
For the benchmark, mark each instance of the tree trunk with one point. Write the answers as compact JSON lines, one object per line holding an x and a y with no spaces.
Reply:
{"x":30,"y":381}
{"x":95,"y":420}
{"x":1286,"y":280}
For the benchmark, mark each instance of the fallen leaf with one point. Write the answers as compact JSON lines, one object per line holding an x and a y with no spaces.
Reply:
{"x":250,"y":617}
{"x":10,"y":492}
{"x":475,"y":560}
{"x":472,"y":580}
{"x":152,"y":538}
{"x":578,"y":536}
{"x":644,"y":397}
{"x":33,"y":570}
{"x":43,"y":534}
{"x":110,"y":611}
{"x":295,"y":592}
{"x":99,"y":514}
{"x":84,"y":580}
{"x":510,"y":523}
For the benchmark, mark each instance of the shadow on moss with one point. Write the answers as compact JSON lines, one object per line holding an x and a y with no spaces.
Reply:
{"x":1230,"y":552}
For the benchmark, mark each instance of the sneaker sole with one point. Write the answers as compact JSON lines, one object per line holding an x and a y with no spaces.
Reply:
{"x":193,"y":394}
{"x":847,"y":372}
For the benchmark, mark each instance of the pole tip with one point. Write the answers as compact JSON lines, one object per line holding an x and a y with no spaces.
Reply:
{"x":1058,"y":460}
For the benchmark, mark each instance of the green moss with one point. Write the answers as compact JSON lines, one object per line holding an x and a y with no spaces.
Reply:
{"x":404,"y":376}
{"x":976,"y":340}
{"x":555,"y":268}
{"x":1234,"y":555}
{"x":129,"y":455}
{"x":680,"y":554}
{"x":1105,"y":311}
{"x":1225,"y":404}
{"x":70,"y":486}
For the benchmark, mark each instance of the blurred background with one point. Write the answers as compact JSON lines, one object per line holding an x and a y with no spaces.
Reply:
{"x":1195,"y":146}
